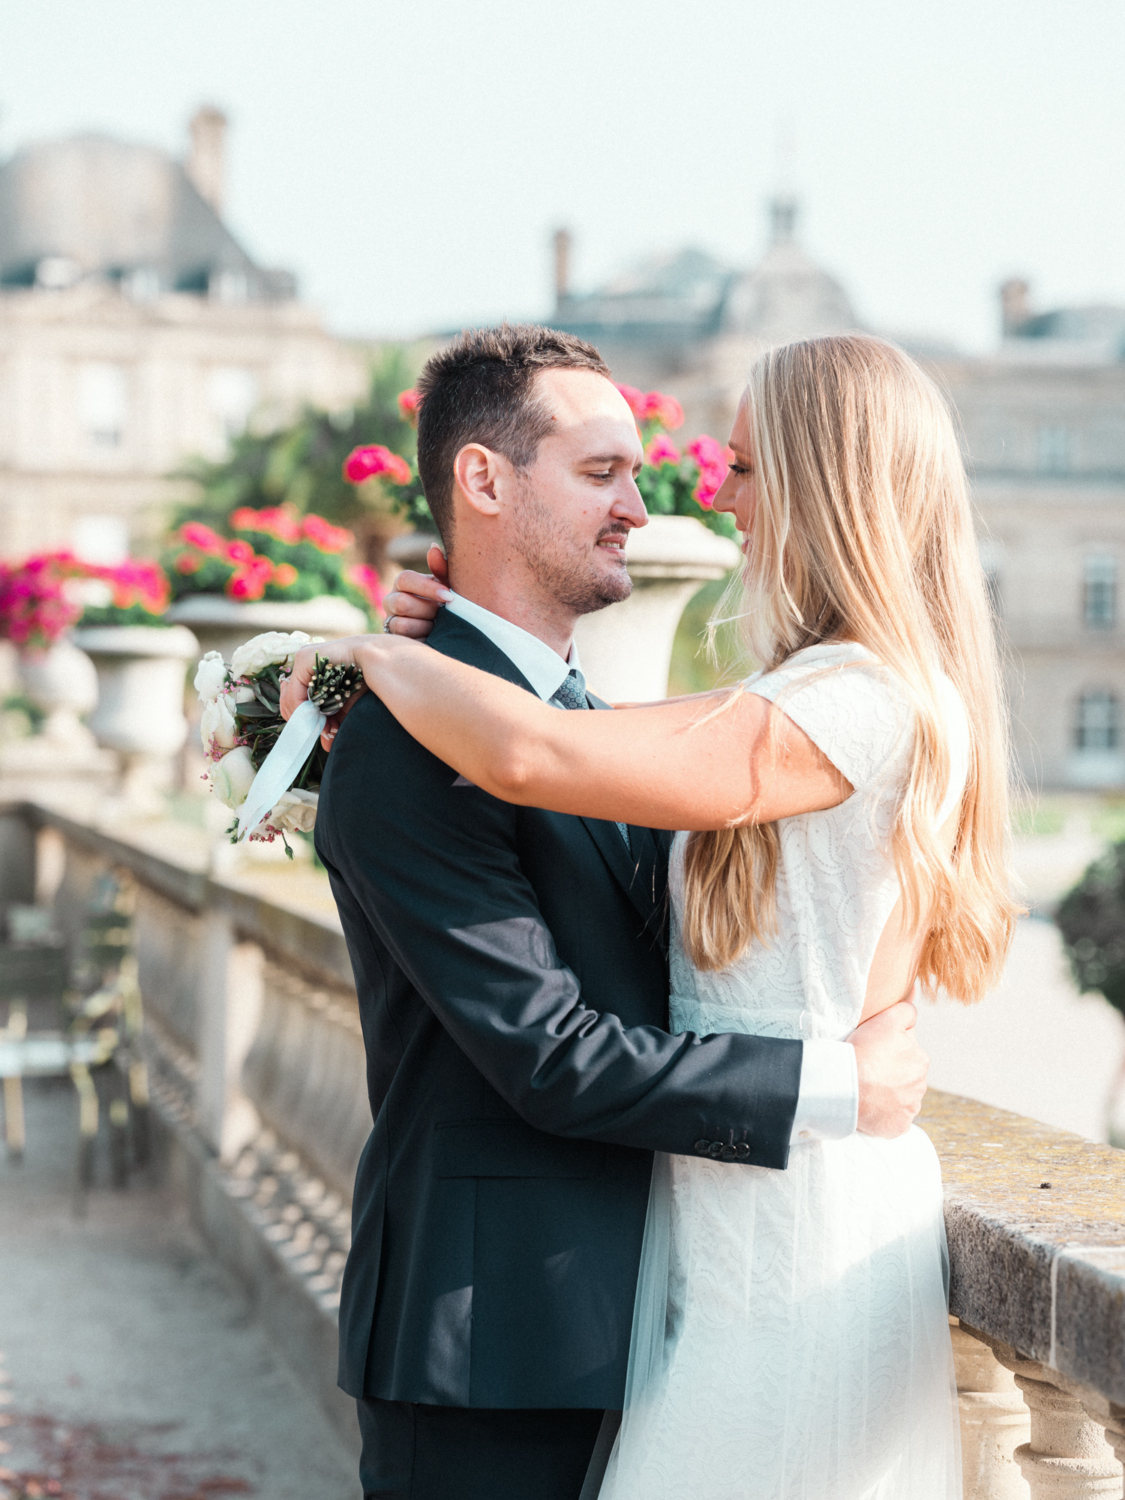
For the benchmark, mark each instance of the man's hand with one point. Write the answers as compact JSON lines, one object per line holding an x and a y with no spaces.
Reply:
{"x":414,"y":601}
{"x":892,"y":1071}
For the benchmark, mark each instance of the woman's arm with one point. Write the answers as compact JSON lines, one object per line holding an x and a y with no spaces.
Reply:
{"x":703,"y":762}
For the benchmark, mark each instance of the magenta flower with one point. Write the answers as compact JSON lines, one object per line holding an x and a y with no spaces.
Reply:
{"x":661,"y":451}
{"x":373,"y":461}
{"x":657,"y":407}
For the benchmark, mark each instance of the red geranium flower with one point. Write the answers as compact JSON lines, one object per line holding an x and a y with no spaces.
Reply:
{"x":373,"y":461}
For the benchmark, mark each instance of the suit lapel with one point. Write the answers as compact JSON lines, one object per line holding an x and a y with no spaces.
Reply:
{"x":638,"y":872}
{"x":636,"y":868}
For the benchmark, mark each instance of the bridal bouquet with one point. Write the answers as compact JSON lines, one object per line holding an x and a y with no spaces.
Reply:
{"x":267,"y":771}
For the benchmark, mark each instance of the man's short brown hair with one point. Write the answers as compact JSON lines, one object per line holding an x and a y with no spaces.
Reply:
{"x":479,"y":390}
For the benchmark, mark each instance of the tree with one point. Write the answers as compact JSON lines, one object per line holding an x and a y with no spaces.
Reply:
{"x":302,"y":463}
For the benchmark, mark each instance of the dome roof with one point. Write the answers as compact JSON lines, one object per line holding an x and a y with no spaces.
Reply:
{"x":786,"y":295}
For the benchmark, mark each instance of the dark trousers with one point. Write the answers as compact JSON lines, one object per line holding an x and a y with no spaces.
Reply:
{"x":416,"y":1452}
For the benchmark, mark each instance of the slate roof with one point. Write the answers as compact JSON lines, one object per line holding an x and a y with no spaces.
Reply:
{"x":89,"y":205}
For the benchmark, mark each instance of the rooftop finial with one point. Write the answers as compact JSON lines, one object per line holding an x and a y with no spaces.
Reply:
{"x":783,"y":218}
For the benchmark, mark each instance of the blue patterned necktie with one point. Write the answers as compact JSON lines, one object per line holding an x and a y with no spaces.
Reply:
{"x":572,"y":694}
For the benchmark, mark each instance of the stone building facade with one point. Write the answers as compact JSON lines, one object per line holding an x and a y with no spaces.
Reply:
{"x":1043,"y":423}
{"x":134,"y":332}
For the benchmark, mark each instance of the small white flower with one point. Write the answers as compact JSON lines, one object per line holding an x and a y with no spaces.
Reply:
{"x":211,"y":676}
{"x":295,"y":811}
{"x":232,"y":777}
{"x":217,"y":728}
{"x":272,"y":647}
{"x":243,"y":693}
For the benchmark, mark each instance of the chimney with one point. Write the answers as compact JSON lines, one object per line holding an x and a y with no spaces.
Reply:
{"x":562,"y":266}
{"x":1015,"y":306}
{"x":204,"y":164}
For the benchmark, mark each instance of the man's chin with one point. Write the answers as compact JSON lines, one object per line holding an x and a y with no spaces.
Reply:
{"x":611,"y":589}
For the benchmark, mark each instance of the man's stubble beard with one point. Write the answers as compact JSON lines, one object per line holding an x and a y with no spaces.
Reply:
{"x":562,"y":567}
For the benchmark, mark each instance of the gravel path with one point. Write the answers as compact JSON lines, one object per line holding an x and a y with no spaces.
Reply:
{"x":130,"y":1366}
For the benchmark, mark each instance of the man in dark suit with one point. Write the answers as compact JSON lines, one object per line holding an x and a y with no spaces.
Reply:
{"x":511,"y":967}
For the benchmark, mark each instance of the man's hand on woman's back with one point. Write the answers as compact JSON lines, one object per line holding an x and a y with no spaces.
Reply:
{"x":892,"y":1071}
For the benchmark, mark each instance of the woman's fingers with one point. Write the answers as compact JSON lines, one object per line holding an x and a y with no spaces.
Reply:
{"x":402,"y":625}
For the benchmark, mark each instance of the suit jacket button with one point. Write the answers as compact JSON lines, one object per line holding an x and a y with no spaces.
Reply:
{"x":742,"y":1151}
{"x":702,"y":1147}
{"x":715,"y":1148}
{"x":728,"y":1153}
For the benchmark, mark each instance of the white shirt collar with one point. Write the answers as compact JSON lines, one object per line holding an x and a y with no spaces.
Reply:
{"x":544,"y":669}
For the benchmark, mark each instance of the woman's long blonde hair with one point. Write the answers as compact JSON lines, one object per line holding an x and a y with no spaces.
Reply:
{"x":862,"y":531}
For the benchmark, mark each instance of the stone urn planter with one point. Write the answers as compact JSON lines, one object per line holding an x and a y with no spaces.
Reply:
{"x":222,"y":624}
{"x":626,"y":649}
{"x":61,"y":682}
{"x":140,"y":701}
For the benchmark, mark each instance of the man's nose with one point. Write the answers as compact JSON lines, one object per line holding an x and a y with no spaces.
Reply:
{"x":629,"y":504}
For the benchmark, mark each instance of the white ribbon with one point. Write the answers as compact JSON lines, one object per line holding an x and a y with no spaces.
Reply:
{"x":277,"y":772}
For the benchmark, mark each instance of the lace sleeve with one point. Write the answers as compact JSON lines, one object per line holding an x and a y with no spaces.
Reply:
{"x":849,"y":706}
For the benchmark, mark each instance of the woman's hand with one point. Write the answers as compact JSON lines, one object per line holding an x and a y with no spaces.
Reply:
{"x":295,"y":687}
{"x":413,"y":603}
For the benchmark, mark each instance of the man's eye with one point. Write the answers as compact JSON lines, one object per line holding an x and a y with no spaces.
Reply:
{"x":607,"y":474}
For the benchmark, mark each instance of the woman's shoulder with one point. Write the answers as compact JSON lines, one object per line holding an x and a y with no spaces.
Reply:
{"x":849,"y":704}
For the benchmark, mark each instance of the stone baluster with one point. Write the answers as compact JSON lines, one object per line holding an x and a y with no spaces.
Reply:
{"x":994,"y":1421}
{"x":230,"y":1008}
{"x":1067,"y":1457}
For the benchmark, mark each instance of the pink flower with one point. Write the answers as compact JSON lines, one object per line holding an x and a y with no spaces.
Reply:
{"x":408,"y":404}
{"x":661,"y":451}
{"x":375,"y":462}
{"x":195,"y":534}
{"x":238,"y":552}
{"x":713,"y":460}
{"x":635,"y":400}
{"x":367,"y":581}
{"x":657,"y":407}
{"x":325,"y":536}
{"x":280,"y":521}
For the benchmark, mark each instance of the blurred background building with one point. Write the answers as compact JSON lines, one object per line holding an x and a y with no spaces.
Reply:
{"x":135,"y":331}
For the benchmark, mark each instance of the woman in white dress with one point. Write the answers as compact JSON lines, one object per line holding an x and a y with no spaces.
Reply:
{"x":846,"y":809}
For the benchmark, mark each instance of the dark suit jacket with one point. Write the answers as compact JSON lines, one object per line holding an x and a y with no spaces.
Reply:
{"x":511,"y":968}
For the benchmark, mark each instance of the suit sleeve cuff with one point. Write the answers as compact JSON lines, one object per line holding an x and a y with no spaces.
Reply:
{"x":828,"y":1097}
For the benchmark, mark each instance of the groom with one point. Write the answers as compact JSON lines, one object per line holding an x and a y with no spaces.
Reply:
{"x":511,"y":966}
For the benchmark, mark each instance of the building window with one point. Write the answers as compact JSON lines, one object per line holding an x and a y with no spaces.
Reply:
{"x":103,"y":404}
{"x":232,"y":395}
{"x":1054,"y":450}
{"x":1099,"y":592}
{"x":1098,"y":726}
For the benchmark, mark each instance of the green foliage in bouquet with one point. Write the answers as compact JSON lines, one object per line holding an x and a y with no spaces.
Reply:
{"x":1091,"y":918}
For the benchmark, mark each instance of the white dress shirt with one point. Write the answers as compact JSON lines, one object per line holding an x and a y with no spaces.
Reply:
{"x":828,"y":1097}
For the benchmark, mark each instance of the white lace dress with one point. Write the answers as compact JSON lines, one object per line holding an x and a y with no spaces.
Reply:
{"x":790,"y":1337}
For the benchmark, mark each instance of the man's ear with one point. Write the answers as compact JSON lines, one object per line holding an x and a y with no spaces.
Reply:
{"x":475,"y":472}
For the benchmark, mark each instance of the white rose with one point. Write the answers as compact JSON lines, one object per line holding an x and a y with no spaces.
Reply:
{"x":211,"y":676}
{"x":217,"y":728}
{"x":295,"y":811}
{"x":232,"y":776}
{"x":274,"y":647}
{"x":243,"y":693}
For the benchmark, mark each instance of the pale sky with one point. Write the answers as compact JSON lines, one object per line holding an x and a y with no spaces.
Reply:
{"x":409,"y":161}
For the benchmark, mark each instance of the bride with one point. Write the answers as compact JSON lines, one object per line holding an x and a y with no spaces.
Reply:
{"x":843,"y":814}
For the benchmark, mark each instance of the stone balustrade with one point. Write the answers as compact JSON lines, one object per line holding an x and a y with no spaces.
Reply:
{"x":257,"y":1065}
{"x":1036,"y":1226}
